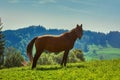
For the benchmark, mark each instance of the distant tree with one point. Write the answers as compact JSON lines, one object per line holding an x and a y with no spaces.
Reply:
{"x":79,"y":54}
{"x":76,"y":56}
{"x":13,"y":57}
{"x":101,"y":57}
{"x":113,"y":38}
{"x":56,"y":58}
{"x":2,"y":43}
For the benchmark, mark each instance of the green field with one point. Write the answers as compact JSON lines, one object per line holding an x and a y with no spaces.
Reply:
{"x":93,"y":70}
{"x":100,"y":53}
{"x":109,"y":50}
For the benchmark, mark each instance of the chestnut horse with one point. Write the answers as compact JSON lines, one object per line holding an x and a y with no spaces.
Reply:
{"x":64,"y":42}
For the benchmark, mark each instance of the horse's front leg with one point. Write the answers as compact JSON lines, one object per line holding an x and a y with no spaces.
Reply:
{"x":64,"y":60}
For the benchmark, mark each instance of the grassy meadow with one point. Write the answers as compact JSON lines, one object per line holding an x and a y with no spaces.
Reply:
{"x":92,"y":70}
{"x":100,"y":53}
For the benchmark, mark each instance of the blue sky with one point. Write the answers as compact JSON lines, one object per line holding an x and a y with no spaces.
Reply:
{"x":95,"y":15}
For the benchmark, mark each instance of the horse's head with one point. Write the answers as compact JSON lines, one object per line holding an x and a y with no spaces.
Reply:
{"x":79,"y":31}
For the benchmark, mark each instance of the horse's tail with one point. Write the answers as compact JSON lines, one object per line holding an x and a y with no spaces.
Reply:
{"x":29,"y":49}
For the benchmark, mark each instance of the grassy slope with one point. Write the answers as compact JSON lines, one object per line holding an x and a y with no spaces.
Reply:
{"x":109,"y":53}
{"x":110,"y":50}
{"x":106,"y":53}
{"x":93,"y":70}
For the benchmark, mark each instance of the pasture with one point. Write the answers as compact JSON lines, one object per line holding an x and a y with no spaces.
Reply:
{"x":100,"y":53}
{"x":92,"y":70}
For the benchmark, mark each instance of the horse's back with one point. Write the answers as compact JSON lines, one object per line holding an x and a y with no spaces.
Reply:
{"x":53,"y":43}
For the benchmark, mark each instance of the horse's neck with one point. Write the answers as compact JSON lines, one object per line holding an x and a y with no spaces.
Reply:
{"x":71,"y":35}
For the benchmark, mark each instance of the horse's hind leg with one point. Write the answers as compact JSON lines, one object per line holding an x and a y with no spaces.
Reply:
{"x":37,"y":55}
{"x":64,"y":60}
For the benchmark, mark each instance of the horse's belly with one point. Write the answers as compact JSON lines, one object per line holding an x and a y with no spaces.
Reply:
{"x":57,"y":44}
{"x":58,"y":48}
{"x":54,"y":49}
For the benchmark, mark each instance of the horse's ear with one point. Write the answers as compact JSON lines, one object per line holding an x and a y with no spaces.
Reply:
{"x":77,"y":25}
{"x":81,"y":25}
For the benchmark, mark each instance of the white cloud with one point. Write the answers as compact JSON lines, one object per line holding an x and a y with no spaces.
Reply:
{"x":68,"y":10}
{"x":13,"y":1}
{"x":46,"y":1}
{"x":33,"y":1}
{"x":85,"y":2}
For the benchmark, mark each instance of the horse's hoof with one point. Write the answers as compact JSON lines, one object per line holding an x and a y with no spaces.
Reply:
{"x":61,"y":65}
{"x":33,"y":68}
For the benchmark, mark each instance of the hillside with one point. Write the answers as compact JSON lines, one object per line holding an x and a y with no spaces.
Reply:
{"x":20,"y":38}
{"x":93,"y":70}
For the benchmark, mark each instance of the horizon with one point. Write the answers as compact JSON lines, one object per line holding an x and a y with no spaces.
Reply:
{"x":99,"y":16}
{"x":52,"y":28}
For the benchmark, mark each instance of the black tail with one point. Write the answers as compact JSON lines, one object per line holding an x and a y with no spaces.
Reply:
{"x":29,"y":49}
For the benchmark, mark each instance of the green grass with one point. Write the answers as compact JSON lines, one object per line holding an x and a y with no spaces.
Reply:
{"x":96,"y":52}
{"x":109,"y":51}
{"x":93,"y":70}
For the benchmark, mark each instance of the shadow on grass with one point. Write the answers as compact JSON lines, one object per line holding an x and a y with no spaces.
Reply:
{"x":78,"y":66}
{"x":59,"y":67}
{"x":48,"y":68}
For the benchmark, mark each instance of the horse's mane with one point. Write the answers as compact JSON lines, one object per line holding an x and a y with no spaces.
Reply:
{"x":73,"y":30}
{"x":70,"y":34}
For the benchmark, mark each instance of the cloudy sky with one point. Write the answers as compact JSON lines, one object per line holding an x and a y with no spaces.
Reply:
{"x":95,"y":15}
